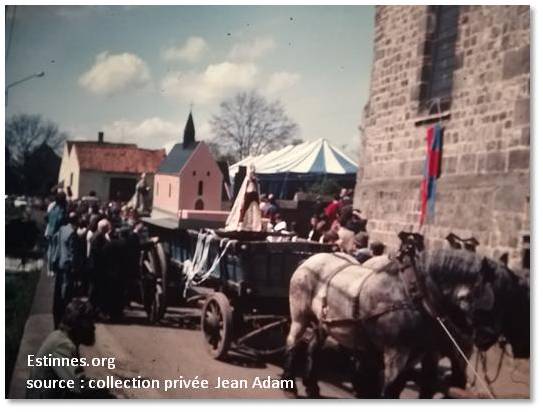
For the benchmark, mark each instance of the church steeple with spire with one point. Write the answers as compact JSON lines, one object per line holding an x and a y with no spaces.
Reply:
{"x":189,"y":135}
{"x":189,"y":180}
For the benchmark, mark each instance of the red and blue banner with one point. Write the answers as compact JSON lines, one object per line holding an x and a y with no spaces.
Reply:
{"x":432,"y":171}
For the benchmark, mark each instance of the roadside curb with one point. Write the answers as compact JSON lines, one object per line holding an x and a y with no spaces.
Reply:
{"x":38,"y":325}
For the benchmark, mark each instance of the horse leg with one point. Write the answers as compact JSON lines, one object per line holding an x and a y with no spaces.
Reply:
{"x":300,"y":313}
{"x":296,"y":332}
{"x":429,"y":375}
{"x":458,"y":376}
{"x":366,"y":379}
{"x":396,"y":361}
{"x":311,"y":368}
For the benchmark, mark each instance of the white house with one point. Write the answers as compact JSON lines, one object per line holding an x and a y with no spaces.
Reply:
{"x":109,"y":169}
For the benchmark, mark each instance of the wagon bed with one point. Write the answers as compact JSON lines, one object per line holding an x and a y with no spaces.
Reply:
{"x":241,"y":285}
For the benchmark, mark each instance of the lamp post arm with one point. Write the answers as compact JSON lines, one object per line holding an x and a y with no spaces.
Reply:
{"x":25,"y":79}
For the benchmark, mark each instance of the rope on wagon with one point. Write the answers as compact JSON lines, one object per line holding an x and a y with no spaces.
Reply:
{"x":481,"y":380}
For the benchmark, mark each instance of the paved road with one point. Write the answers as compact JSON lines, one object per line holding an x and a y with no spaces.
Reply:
{"x":175,"y":348}
{"x":170,"y":351}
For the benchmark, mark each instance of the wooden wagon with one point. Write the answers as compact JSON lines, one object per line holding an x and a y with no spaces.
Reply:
{"x":241,"y":285}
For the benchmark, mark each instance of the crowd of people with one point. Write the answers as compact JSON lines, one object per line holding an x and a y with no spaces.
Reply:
{"x":93,"y":251}
{"x":336,"y":221}
{"x":94,"y":247}
{"x":339,"y":222}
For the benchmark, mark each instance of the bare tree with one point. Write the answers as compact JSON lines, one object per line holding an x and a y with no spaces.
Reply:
{"x":32,"y":146}
{"x":221,"y":154}
{"x":248,"y":124}
{"x":26,"y":132}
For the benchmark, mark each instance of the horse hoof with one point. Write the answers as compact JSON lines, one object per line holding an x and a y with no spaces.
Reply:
{"x":313,"y":394}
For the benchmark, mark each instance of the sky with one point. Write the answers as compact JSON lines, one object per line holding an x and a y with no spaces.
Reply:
{"x":134,"y":71}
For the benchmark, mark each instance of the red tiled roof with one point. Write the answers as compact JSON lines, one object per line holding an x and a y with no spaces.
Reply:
{"x":80,"y":143}
{"x":117,"y":158}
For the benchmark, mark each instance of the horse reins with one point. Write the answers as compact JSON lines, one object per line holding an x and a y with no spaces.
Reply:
{"x":451,"y":337}
{"x":417,"y":290}
{"x":482,"y":358}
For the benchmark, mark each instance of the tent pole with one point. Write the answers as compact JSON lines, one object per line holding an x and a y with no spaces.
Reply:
{"x":283,"y":186}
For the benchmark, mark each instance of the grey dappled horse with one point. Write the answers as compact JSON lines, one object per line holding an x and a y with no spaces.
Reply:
{"x":428,"y":379}
{"x":368,"y":310}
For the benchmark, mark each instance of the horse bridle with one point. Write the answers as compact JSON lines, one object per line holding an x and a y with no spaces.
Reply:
{"x":423,"y":295}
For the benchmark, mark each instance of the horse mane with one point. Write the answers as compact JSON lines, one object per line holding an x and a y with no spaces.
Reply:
{"x":450,"y":266}
{"x":505,"y":280}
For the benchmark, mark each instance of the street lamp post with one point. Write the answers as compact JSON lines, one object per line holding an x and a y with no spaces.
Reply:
{"x":24,"y":79}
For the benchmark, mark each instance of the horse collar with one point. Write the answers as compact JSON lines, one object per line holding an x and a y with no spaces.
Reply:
{"x":416,"y":287}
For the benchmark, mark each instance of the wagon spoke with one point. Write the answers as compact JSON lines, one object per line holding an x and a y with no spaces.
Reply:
{"x":216,"y":325}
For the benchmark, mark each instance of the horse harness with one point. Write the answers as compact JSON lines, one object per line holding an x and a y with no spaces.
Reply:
{"x":415,"y":286}
{"x":355,"y":318}
{"x":417,"y":291}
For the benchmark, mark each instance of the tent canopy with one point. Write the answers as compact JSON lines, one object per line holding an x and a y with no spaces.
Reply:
{"x":316,"y":157}
{"x":294,"y":167}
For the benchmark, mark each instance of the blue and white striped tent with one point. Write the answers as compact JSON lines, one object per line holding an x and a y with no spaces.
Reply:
{"x":284,"y":171}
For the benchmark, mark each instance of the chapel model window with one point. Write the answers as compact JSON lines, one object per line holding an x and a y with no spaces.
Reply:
{"x":200,"y":188}
{"x":169,"y":190}
{"x":157,"y":188}
{"x":442,"y":54}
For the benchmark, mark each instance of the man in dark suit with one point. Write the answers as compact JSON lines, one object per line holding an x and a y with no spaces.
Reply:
{"x":69,"y":265}
{"x":98,"y":259}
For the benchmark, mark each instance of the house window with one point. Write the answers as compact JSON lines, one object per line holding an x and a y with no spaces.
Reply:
{"x":71,"y":179}
{"x":169,"y":190}
{"x":200,"y":188}
{"x":438,"y":75}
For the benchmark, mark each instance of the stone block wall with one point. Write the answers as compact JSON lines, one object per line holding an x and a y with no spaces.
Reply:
{"x":484,"y":186}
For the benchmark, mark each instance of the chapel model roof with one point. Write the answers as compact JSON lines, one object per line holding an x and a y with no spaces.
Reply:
{"x":181,"y":152}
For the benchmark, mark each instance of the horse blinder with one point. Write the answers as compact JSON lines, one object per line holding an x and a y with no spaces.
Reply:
{"x":487,"y":272}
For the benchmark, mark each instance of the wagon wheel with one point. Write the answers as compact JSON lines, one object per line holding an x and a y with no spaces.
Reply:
{"x":153,"y":293}
{"x":157,"y":307}
{"x":217,"y":325}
